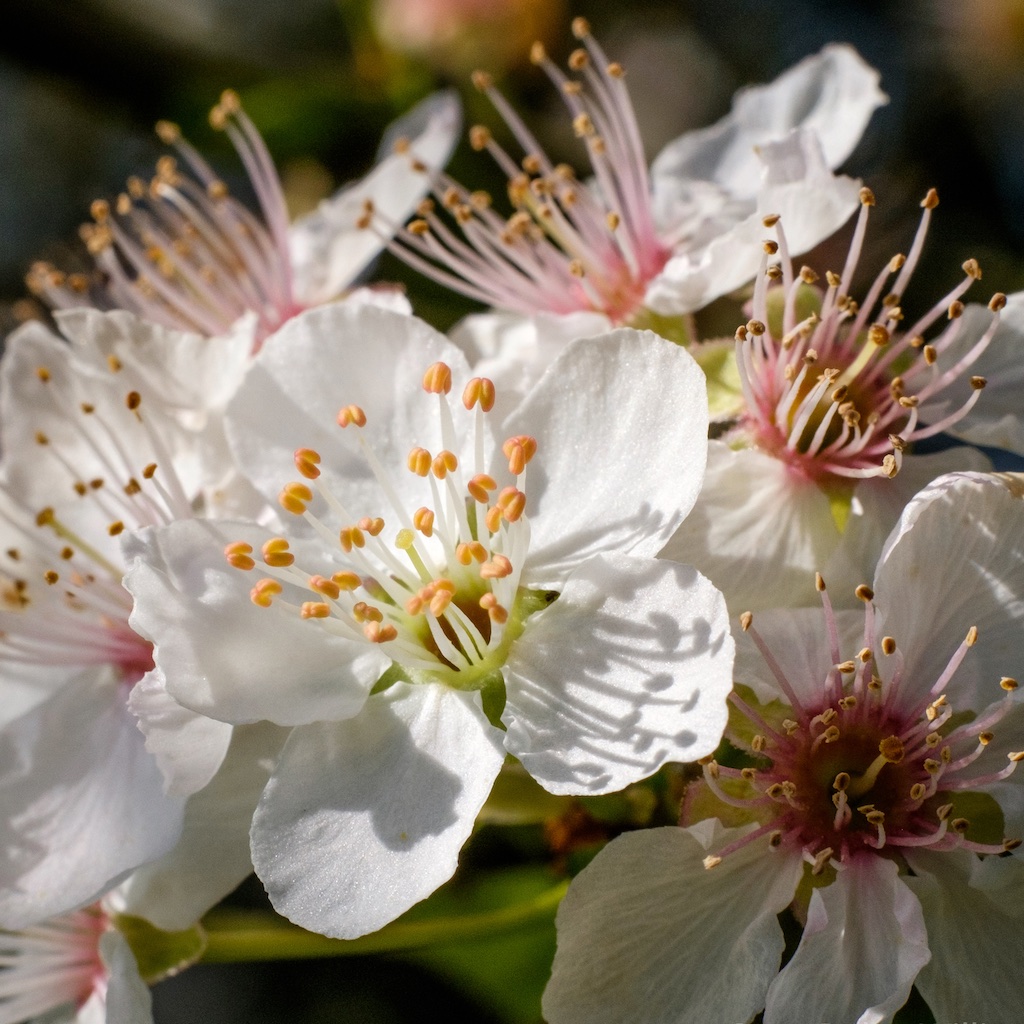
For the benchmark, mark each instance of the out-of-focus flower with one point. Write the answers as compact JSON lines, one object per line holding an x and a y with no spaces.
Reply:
{"x":458,"y":35}
{"x":519,"y":588}
{"x":631,"y":244}
{"x":832,"y":392}
{"x":872,"y":784}
{"x":181,"y":251}
{"x":76,"y":968}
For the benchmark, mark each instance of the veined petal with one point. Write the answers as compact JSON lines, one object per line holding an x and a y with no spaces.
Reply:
{"x":81,"y":801}
{"x":973,"y":911}
{"x":212,"y":857}
{"x":362,"y":819}
{"x":833,"y":94}
{"x":759,"y":530}
{"x":862,"y":948}
{"x":977,"y":581}
{"x":322,"y":360}
{"x":627,"y":670}
{"x":328,"y":249}
{"x":647,"y":934}
{"x":214,"y":645}
{"x":621,"y":422}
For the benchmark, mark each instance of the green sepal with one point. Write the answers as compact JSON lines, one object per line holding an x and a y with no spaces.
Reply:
{"x":808,"y":301}
{"x":840,"y":503}
{"x":718,"y":361}
{"x":393,"y":674}
{"x":982,"y":811}
{"x":160,"y":954}
{"x":518,"y":799}
{"x":677,"y":329}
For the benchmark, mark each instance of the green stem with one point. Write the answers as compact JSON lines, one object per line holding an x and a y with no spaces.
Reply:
{"x":241,"y":937}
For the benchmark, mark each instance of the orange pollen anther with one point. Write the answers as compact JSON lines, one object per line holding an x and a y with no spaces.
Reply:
{"x":497,"y":568}
{"x":363,"y":612}
{"x":512,"y":503}
{"x":419,"y":461}
{"x":378,"y":634}
{"x":492,"y":520}
{"x":495,"y":612}
{"x":445,"y":462}
{"x":315,"y":610}
{"x":466,"y":552}
{"x":519,"y":450}
{"x":372,"y":526}
{"x":346,"y":580}
{"x":306,"y":462}
{"x":351,"y":414}
{"x":438,"y":379}
{"x":423,"y":520}
{"x":322,"y":585}
{"x":479,"y":487}
{"x":264,"y":592}
{"x":276,"y":553}
{"x":294,"y":498}
{"x":479,"y":389}
{"x":350,"y":537}
{"x":239,"y":556}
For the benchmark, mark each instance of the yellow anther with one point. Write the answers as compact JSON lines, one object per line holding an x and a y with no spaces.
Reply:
{"x":480,"y":486}
{"x":480,"y":390}
{"x":149,"y":471}
{"x":445,"y":462}
{"x":519,"y":451}
{"x":439,"y":602}
{"x":770,"y":220}
{"x":51,"y":577}
{"x":888,"y":645}
{"x":496,"y":612}
{"x":746,"y":620}
{"x":867,"y":197}
{"x":132,"y":400}
{"x":419,"y":461}
{"x":350,"y":537}
{"x":315,"y":610}
{"x":438,"y":379}
{"x":322,"y":585}
{"x":294,"y":498}
{"x":917,"y":791}
{"x":493,"y":518}
{"x":512,"y":503}
{"x":878,"y":335}
{"x":371,"y":525}
{"x":363,"y":612}
{"x":972,"y":636}
{"x":997,"y":302}
{"x":347,"y":580}
{"x":1008,"y":684}
{"x":931,"y":200}
{"x":711,"y":861}
{"x":578,"y":60}
{"x":307,"y":462}
{"x":115,"y":528}
{"x":351,"y":415}
{"x":423,"y":520}
{"x":264,"y":592}
{"x":470,"y":551}
{"x":239,"y":555}
{"x":378,"y":634}
{"x":496,"y":568}
{"x":985,"y":738}
{"x":276,"y":553}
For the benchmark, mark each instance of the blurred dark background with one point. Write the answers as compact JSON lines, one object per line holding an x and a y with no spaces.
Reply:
{"x":83,"y":81}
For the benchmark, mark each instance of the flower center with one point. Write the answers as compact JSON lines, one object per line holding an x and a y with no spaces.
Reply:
{"x":443,"y":596}
{"x":837,"y":392}
{"x":854,"y":770}
{"x":568,"y":246}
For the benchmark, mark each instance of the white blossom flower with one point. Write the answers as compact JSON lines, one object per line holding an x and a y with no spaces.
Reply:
{"x":834,"y":392}
{"x":75,"y":968}
{"x":876,"y":795}
{"x":88,"y":455}
{"x":634,"y":246}
{"x":442,"y":598}
{"x":182,"y":252}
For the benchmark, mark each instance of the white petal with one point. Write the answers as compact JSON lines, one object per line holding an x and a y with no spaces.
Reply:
{"x":188,"y":747}
{"x":621,"y":428}
{"x":798,"y":641}
{"x":759,"y":531}
{"x":364,"y":818}
{"x":328,"y":249}
{"x":128,"y":999}
{"x":997,"y":420}
{"x":628,"y":669}
{"x":221,"y":655}
{"x":188,"y":371}
{"x":974,"y":916}
{"x":647,"y":934}
{"x":875,"y":510}
{"x":514,"y":350}
{"x":930,"y":589}
{"x":212,"y":857}
{"x":796,"y":184}
{"x":331,"y":357}
{"x":833,"y":94}
{"x":81,"y":802}
{"x":862,"y":948}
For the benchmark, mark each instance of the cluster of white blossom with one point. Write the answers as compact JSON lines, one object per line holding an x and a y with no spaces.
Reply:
{"x":289,"y":577}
